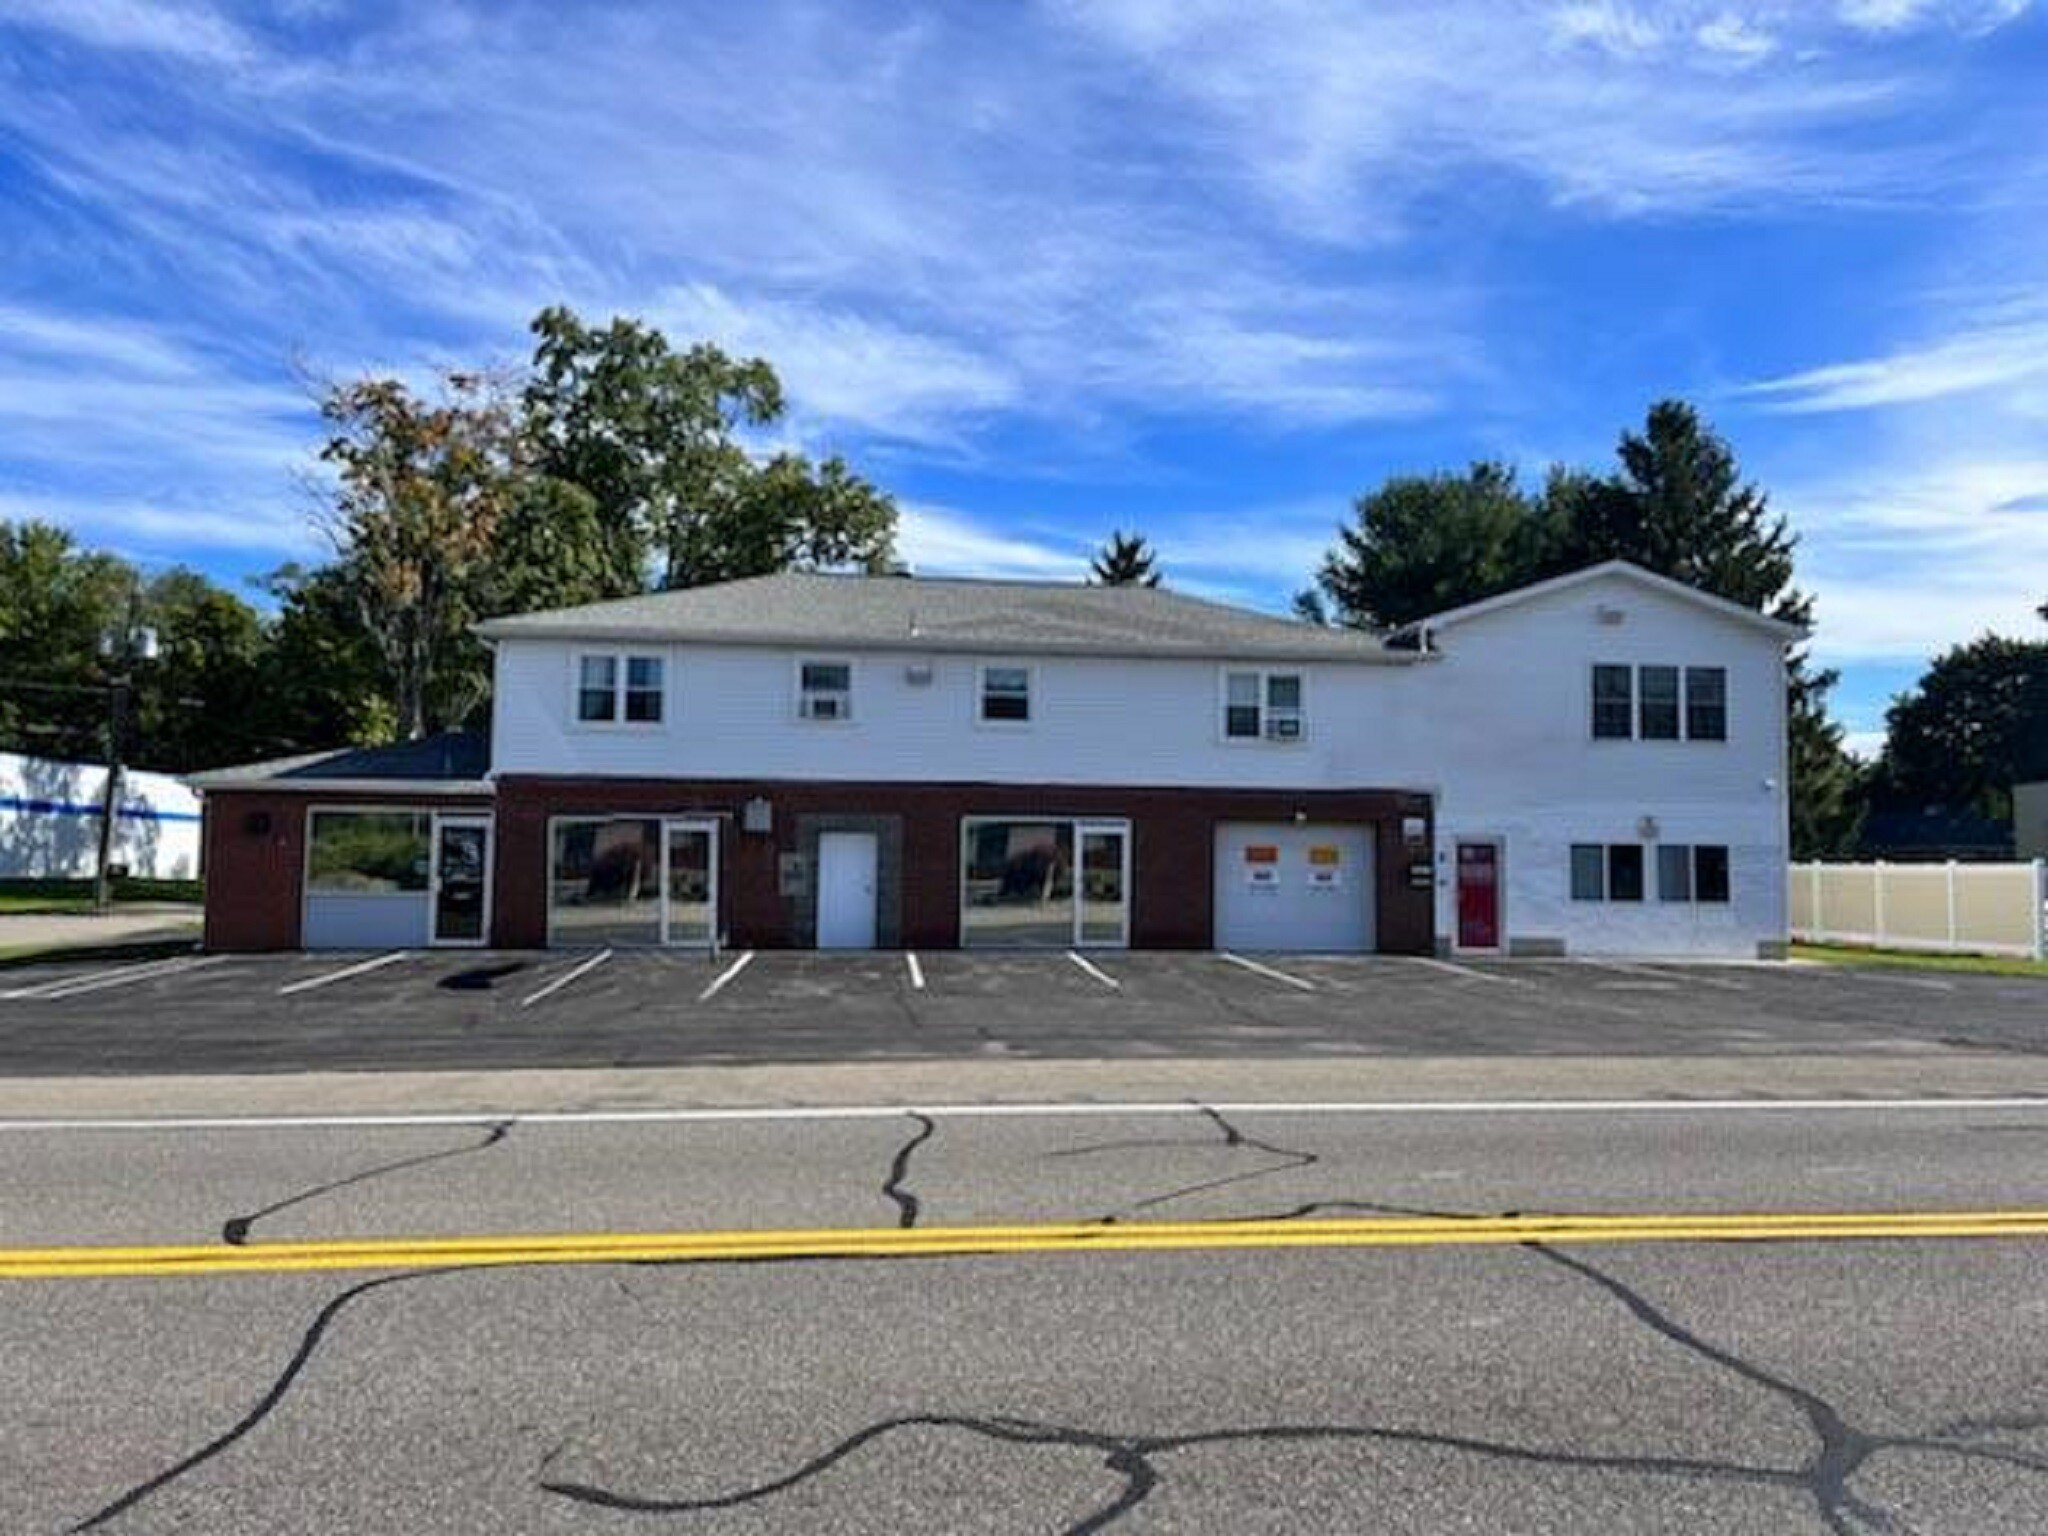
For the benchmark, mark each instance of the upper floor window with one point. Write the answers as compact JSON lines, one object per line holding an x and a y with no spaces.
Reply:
{"x":1613,"y":702}
{"x":1659,"y":717}
{"x":1647,"y":703}
{"x":1006,"y":695}
{"x":613,"y":688}
{"x":1263,"y":706}
{"x":1706,"y":703}
{"x":824,"y":690}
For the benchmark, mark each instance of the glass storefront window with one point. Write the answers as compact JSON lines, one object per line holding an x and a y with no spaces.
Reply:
{"x":604,"y":882}
{"x":1018,"y":883}
{"x":368,"y":853}
{"x":1022,"y":886}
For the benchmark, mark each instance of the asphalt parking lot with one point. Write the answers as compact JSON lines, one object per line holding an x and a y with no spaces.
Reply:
{"x":494,"y":1010}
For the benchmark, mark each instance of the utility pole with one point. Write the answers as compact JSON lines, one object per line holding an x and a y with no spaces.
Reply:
{"x":110,"y":797}
{"x":122,"y":648}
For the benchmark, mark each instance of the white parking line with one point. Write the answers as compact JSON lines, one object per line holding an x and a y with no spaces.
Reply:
{"x":100,"y":981}
{"x":1095,"y":970}
{"x":376,"y":963}
{"x":582,"y":968}
{"x":720,"y":981}
{"x":916,"y":970}
{"x":1266,"y":971}
{"x":1464,"y":970}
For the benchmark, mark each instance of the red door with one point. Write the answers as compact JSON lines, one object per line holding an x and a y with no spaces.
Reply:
{"x":1478,"y":896}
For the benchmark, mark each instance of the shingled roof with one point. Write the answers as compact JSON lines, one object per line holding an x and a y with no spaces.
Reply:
{"x":457,"y":760}
{"x":915,"y":613}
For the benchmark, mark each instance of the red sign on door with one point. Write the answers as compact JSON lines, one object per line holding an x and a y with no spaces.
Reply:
{"x":1478,"y":896}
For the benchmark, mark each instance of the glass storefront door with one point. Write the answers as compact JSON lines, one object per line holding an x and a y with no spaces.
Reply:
{"x":461,"y":880}
{"x":690,"y":883}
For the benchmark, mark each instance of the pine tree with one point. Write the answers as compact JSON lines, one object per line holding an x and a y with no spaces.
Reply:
{"x":1125,"y":561}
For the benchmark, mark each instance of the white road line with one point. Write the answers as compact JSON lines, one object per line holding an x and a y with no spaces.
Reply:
{"x":1095,"y":970}
{"x":100,"y":981}
{"x":916,"y":970}
{"x":1082,"y":1110}
{"x":1464,"y":970}
{"x":1266,"y":971}
{"x":376,"y":963}
{"x":582,"y":968}
{"x":724,"y":977}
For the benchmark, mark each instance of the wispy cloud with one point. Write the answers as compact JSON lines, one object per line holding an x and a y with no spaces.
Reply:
{"x":191,"y":32}
{"x":2006,"y":348}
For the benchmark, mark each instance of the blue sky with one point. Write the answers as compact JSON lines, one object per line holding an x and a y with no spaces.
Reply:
{"x":1202,"y":268}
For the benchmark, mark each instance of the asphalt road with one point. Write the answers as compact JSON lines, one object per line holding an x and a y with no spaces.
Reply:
{"x":1888,"y":1386}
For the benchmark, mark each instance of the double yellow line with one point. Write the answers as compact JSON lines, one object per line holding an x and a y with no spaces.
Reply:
{"x":954,"y":1242}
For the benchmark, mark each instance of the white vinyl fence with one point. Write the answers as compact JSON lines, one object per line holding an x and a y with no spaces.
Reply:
{"x":1993,"y":909}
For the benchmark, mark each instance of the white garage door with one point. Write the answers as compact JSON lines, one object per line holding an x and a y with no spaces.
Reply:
{"x":1281,"y":886}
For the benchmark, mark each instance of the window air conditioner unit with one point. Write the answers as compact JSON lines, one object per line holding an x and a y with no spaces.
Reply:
{"x":1284,"y":728}
{"x":824,"y":706}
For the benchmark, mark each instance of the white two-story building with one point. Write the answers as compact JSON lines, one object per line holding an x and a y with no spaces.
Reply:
{"x":1591,"y":765}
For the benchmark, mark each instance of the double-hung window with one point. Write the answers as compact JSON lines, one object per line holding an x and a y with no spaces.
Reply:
{"x":1264,"y":706}
{"x":1659,"y":703}
{"x":1613,"y":703}
{"x":824,"y":690}
{"x":1659,"y":709}
{"x":1005,"y":695}
{"x":612,"y":688}
{"x":1706,"y":703}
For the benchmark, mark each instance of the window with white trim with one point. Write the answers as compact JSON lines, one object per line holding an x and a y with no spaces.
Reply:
{"x":1693,"y":872}
{"x":614,"y":688}
{"x":1648,"y":703}
{"x":1607,"y":872}
{"x":824,"y":690}
{"x":1005,"y":695}
{"x":1264,"y":706}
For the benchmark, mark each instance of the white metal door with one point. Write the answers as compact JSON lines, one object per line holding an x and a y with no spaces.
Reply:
{"x":1291,"y":886}
{"x":846,"y":890}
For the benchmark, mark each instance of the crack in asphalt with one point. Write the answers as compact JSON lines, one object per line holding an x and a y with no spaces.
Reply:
{"x":1824,"y":1477}
{"x":267,"y":1404}
{"x":1233,"y":1139}
{"x":235,"y":1230}
{"x":907,"y":1207}
{"x":1135,"y":1459}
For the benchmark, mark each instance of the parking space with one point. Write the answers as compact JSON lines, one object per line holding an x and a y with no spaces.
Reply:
{"x":484,"y":1009}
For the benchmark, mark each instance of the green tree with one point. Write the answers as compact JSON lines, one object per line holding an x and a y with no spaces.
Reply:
{"x":420,"y":490}
{"x":56,"y":601}
{"x":1974,"y":725}
{"x":652,"y":435}
{"x":324,"y":679}
{"x":1127,"y":560}
{"x":1423,"y":543}
{"x":204,"y":701}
